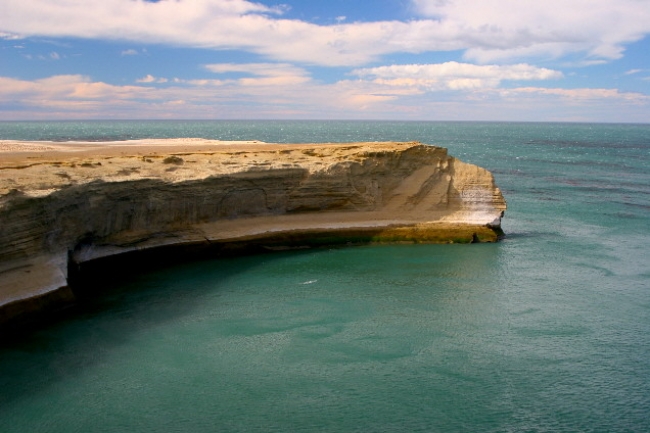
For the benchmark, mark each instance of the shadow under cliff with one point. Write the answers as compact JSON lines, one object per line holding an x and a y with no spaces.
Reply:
{"x":110,"y":294}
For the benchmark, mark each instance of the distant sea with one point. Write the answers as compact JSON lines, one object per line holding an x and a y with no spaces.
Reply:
{"x":546,"y":331}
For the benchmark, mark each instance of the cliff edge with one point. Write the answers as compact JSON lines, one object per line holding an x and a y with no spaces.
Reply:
{"x":63,"y":205}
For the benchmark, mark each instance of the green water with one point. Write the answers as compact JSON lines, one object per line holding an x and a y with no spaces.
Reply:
{"x":548,"y":330}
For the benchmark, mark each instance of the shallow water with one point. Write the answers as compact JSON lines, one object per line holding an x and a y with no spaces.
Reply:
{"x":548,"y":330}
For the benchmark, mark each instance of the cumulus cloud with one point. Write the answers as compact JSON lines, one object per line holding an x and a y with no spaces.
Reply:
{"x":151,"y":79}
{"x":215,"y":24}
{"x":9,"y":36}
{"x":505,"y":29}
{"x":487,"y":30}
{"x":260,"y":69}
{"x":454,"y":75}
{"x":583,"y":94}
{"x":78,"y":96}
{"x":262,"y":73}
{"x":62,"y":88}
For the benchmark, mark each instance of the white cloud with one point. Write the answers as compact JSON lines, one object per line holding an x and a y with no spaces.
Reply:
{"x":9,"y":36}
{"x":261,"y":74}
{"x":454,"y":75}
{"x":259,"y":69}
{"x":488,"y":30}
{"x":77,"y":96}
{"x":151,"y":79}
{"x":584,"y":94}
{"x":504,"y":29}
{"x":61,"y":88}
{"x":633,"y":71}
{"x":130,"y":52}
{"x":584,"y":63}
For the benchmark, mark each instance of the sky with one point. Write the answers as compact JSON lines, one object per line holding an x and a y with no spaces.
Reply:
{"x":473,"y":60}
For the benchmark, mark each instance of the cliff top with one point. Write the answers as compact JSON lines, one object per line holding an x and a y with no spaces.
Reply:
{"x":13,"y":151}
{"x":37,"y":168}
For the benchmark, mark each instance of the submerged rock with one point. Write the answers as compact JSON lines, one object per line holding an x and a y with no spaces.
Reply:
{"x":64,"y":206}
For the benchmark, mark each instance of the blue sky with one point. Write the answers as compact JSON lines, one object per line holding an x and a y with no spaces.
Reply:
{"x":517,"y":60}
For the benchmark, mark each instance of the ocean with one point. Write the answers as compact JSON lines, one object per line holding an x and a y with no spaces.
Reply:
{"x":545,"y":331}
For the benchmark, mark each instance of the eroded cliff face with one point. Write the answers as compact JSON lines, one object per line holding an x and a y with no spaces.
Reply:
{"x":80,"y":202}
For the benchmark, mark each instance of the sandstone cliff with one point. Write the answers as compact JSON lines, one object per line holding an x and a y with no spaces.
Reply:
{"x":63,"y":205}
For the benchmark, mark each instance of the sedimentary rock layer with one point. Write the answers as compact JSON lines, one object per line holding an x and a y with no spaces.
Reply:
{"x":66,"y":204}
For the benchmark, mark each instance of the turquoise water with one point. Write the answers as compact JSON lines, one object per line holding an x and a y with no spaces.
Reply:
{"x":548,"y":330}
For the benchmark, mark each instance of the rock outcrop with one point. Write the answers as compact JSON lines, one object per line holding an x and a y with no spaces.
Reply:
{"x":65,"y":205}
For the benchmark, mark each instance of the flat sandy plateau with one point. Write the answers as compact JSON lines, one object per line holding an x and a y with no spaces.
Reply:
{"x":39,"y":168}
{"x":12,"y":151}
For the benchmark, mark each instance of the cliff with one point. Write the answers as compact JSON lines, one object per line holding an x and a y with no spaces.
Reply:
{"x":63,"y":205}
